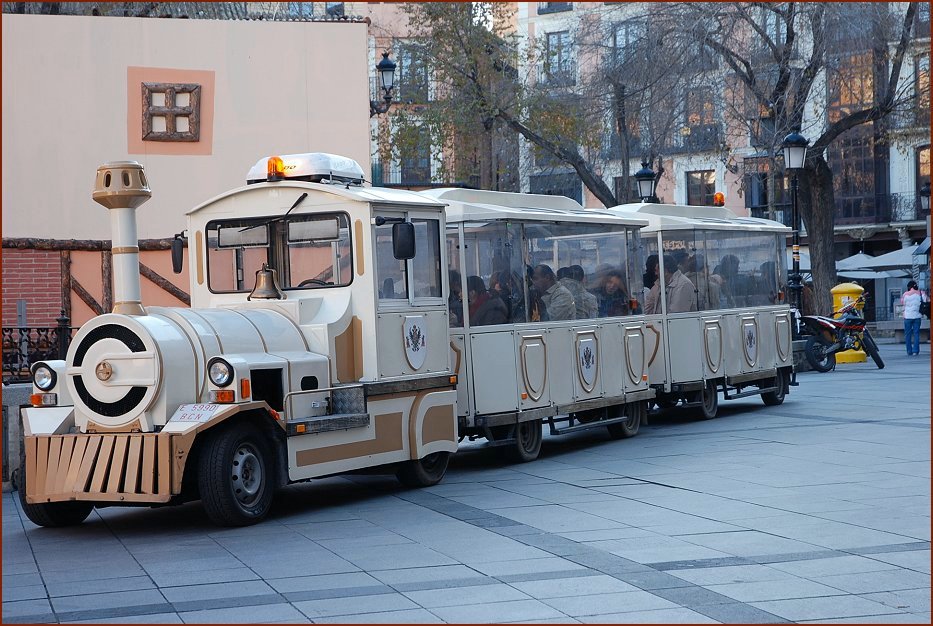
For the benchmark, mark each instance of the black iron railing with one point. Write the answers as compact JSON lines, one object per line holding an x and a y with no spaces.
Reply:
{"x":698,"y":139}
{"x":554,"y":7}
{"x":25,"y":345}
{"x":879,"y":208}
{"x":783,"y":213}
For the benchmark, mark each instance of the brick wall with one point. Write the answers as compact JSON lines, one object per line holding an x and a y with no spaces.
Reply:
{"x":35,"y":276}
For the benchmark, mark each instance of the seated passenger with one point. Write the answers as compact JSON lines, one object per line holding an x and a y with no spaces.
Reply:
{"x":680,"y":257}
{"x":586,"y":303}
{"x":680,"y":293}
{"x":708,"y":290}
{"x":650,"y":277}
{"x":455,"y":300}
{"x":767,"y":292}
{"x":612,"y":296}
{"x":726,"y":275}
{"x":556,"y":298}
{"x":485,"y":309}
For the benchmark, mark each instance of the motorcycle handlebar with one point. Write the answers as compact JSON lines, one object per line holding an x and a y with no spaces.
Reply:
{"x":850,"y":305}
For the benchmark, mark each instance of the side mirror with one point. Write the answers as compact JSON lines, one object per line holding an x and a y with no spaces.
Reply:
{"x":177,"y":254}
{"x":403,"y":241}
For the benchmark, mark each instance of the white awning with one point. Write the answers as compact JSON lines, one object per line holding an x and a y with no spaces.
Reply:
{"x":899,"y":259}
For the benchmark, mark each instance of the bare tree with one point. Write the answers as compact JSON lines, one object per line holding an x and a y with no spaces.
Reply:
{"x":786,"y":57}
{"x":489,"y":79}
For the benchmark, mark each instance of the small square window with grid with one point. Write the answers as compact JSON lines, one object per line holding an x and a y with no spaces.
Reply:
{"x":171,"y":111}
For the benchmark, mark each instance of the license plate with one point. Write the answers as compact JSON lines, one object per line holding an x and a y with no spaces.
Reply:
{"x":195,"y":412}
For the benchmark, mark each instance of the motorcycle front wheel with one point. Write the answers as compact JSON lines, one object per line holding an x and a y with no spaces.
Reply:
{"x":817,"y":355}
{"x":868,"y":342}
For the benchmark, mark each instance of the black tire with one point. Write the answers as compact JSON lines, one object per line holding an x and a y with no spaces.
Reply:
{"x":235,"y":476}
{"x":815,"y":351}
{"x":424,"y":472}
{"x":636,"y":412}
{"x":51,"y":514}
{"x":775,"y":398}
{"x":528,"y":437}
{"x":868,"y":342}
{"x":708,"y":397}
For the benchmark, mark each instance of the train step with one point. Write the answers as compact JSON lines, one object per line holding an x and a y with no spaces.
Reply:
{"x":326,"y":423}
{"x":745,"y":394}
{"x":585,"y":426}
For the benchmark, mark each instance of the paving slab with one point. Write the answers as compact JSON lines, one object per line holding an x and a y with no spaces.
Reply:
{"x":497,"y":612}
{"x":262,"y":614}
{"x":456,"y":596}
{"x":825,"y":608}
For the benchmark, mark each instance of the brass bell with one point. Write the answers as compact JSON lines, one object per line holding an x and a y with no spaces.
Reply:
{"x":267,"y":286}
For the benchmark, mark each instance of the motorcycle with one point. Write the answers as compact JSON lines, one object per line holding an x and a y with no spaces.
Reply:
{"x":832,"y":335}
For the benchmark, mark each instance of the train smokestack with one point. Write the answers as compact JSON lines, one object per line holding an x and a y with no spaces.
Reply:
{"x":121,"y":187}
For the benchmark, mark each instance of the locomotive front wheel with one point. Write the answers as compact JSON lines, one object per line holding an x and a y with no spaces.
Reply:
{"x":424,"y":472}
{"x":528,"y":438}
{"x":636,"y":412}
{"x":51,"y":514}
{"x":234,"y":476}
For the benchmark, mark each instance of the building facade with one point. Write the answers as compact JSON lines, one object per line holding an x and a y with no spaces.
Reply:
{"x":714,"y":144}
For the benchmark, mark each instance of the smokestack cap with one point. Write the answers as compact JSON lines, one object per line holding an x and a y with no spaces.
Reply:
{"x":121,"y":185}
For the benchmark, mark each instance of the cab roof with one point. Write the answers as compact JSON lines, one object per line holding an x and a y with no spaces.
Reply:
{"x":681,"y":217}
{"x":370,"y":195}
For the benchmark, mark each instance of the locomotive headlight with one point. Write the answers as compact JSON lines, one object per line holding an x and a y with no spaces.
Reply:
{"x":220,"y":372}
{"x":43,"y":376}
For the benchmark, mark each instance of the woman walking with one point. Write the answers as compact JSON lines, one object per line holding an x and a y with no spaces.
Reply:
{"x":911,"y":300}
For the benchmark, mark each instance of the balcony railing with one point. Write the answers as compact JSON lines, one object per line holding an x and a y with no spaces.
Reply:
{"x":563,"y":74}
{"x":879,"y":209}
{"x":385,"y":175}
{"x":783,"y":213}
{"x":698,"y":139}
{"x":916,"y":117}
{"x":23,"y":346}
{"x":554,"y":7}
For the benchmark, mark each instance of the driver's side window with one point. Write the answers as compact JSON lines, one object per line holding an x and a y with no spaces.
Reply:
{"x":392,"y":273}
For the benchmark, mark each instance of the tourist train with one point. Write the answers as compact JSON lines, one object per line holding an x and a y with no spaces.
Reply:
{"x":335,"y":327}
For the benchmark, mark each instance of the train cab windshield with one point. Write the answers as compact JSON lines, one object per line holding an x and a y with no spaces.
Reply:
{"x":308,"y":251}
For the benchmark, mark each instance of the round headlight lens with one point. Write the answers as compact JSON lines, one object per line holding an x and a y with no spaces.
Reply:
{"x":43,"y":377}
{"x":221,"y":373}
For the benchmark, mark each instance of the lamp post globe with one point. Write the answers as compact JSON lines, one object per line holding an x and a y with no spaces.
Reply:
{"x":644,"y":178}
{"x":925,"y":197}
{"x":795,"y":151}
{"x":386,"y":69}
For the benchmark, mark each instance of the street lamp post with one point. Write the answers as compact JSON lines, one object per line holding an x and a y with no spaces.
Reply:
{"x":385,"y":70}
{"x":795,"y":154}
{"x":645,"y":180}
{"x":925,"y":198}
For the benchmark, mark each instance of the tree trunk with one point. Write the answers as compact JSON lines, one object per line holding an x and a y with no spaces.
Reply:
{"x":817,"y":204}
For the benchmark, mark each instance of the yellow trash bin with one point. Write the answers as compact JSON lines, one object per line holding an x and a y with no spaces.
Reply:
{"x":842,"y":295}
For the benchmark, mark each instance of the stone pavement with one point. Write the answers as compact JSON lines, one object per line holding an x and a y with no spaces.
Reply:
{"x":817,"y":510}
